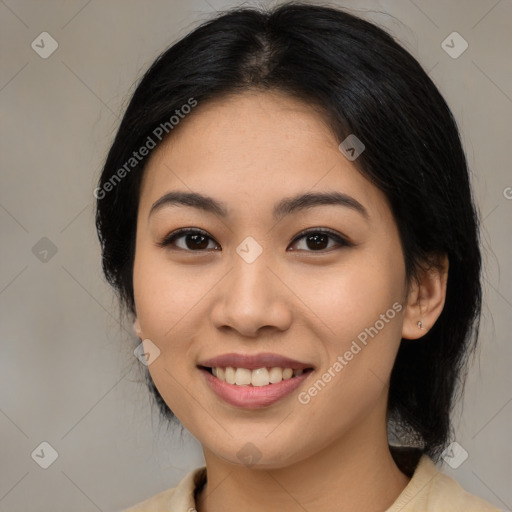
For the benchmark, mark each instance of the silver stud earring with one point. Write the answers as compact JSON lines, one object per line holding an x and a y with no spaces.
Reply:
{"x":420,"y":324}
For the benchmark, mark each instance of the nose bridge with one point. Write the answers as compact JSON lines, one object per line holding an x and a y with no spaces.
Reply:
{"x":252,"y":296}
{"x":251,"y":285}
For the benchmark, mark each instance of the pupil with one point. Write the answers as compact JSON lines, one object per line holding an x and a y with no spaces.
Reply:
{"x":316,"y":241}
{"x":197,"y":243}
{"x":317,"y":244}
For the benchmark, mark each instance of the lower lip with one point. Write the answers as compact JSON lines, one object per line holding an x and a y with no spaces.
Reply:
{"x":253,"y":397}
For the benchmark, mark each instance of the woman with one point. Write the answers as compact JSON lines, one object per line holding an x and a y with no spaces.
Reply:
{"x":286,"y":213}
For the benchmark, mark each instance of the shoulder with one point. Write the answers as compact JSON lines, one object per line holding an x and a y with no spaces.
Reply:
{"x":430,"y":490}
{"x":180,"y":497}
{"x":155,"y":503}
{"x":445,"y":490}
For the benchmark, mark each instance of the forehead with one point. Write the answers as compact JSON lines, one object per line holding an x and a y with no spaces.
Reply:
{"x":252,"y":149}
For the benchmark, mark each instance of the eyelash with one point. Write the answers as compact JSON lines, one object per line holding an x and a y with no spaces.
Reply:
{"x":172,"y":237}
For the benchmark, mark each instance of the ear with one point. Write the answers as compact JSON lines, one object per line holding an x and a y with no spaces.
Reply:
{"x":137,"y":328}
{"x":426,"y":297}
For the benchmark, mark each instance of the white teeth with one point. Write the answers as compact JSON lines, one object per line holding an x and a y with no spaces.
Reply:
{"x":275,"y":375}
{"x":258,"y":377}
{"x":229,"y":375}
{"x":242,"y":377}
{"x":287,"y":373}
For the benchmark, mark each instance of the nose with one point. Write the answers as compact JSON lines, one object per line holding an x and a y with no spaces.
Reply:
{"x":253,"y":298}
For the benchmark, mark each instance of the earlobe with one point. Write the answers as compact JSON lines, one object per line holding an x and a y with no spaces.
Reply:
{"x":426,"y":298}
{"x":136,"y":328}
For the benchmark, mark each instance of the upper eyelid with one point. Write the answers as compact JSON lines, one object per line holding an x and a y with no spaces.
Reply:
{"x":326,"y":231}
{"x":185,"y":231}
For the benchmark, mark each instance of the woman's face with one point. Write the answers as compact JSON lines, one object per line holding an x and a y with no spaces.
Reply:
{"x":250,"y":285}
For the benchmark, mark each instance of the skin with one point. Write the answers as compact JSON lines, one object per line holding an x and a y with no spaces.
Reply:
{"x":250,"y":151}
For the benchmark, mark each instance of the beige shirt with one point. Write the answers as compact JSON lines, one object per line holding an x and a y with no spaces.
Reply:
{"x":429,"y":490}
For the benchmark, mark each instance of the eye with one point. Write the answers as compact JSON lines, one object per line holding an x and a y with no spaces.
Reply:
{"x":317,"y":240}
{"x":193,"y":240}
{"x":197,"y":240}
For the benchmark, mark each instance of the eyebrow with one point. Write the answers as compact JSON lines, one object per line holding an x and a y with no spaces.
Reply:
{"x":283,"y":208}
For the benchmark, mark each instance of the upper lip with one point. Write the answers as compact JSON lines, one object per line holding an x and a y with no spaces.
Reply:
{"x":251,"y":362}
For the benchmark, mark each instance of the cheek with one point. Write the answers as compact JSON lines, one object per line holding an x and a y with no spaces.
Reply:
{"x":169,"y":303}
{"x":163,"y":295}
{"x":359,"y":312}
{"x":353,"y":295}
{"x":162,"y":299}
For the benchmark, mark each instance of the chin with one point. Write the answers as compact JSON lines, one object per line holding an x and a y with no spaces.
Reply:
{"x":258,"y":454}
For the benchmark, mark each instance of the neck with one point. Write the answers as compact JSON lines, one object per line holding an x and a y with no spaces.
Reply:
{"x":355,"y":472}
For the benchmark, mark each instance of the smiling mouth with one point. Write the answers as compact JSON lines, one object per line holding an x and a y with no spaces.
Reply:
{"x":254,"y":378}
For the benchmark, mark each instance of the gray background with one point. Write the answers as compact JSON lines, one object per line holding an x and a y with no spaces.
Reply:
{"x":68,"y":373}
